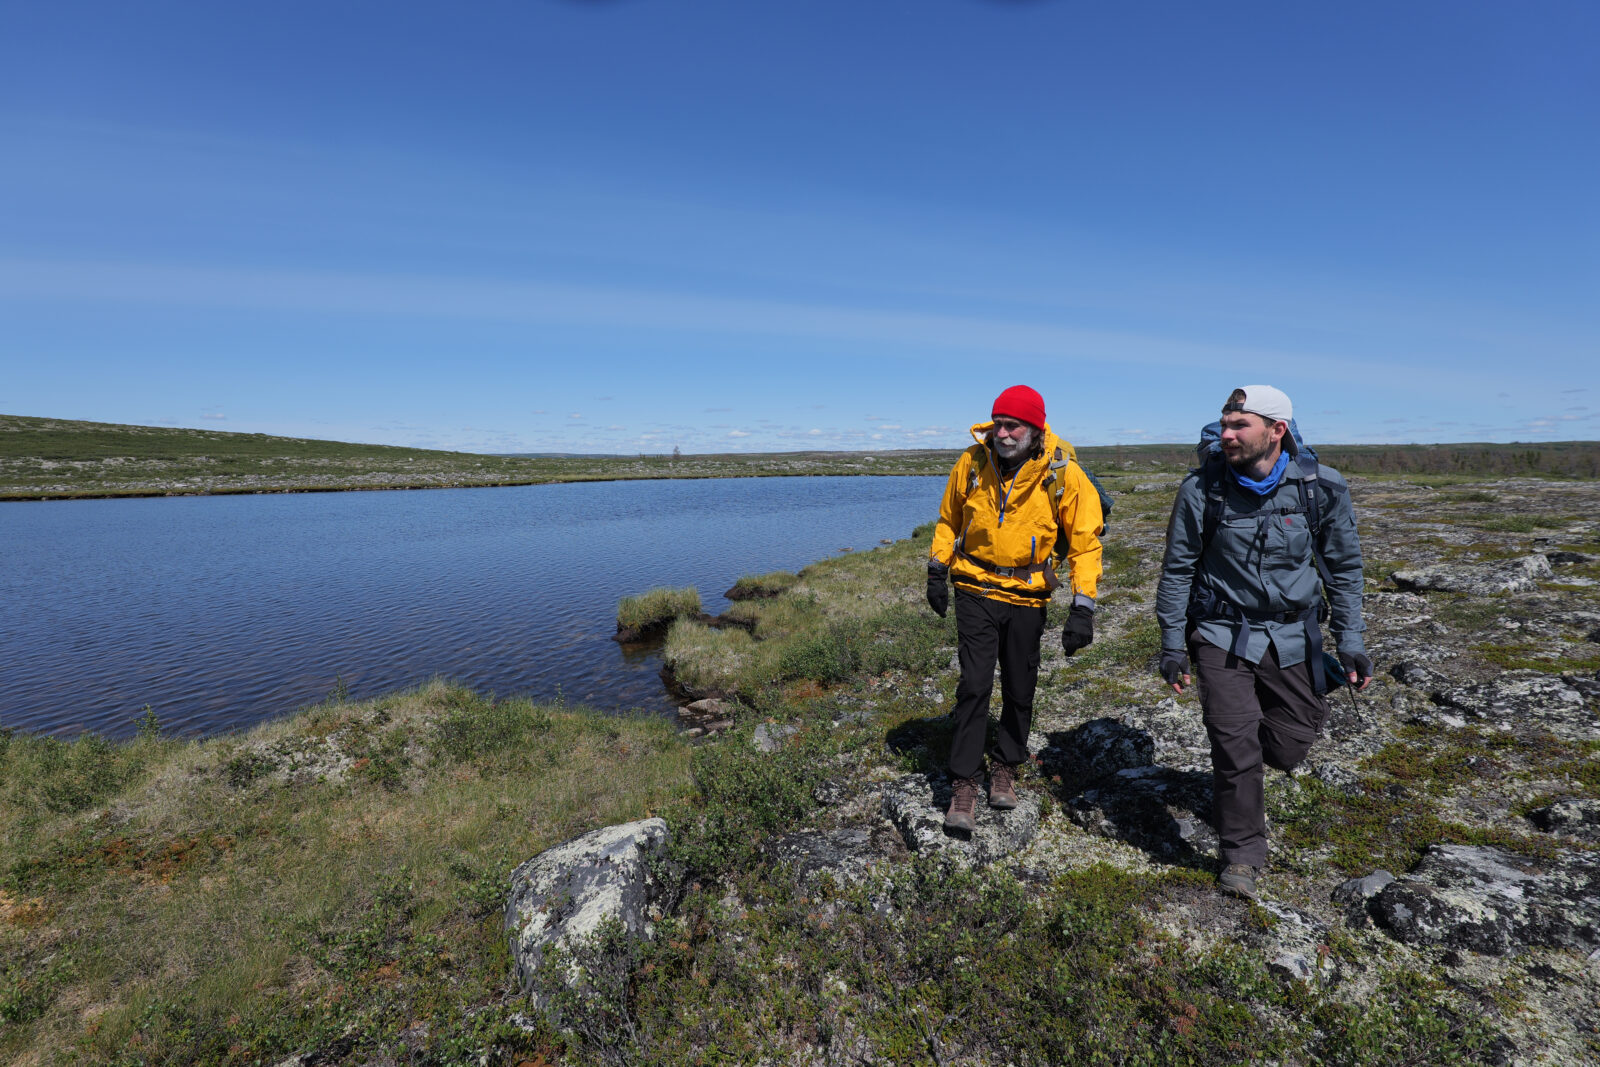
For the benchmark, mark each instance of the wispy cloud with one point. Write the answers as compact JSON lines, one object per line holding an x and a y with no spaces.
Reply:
{"x":160,"y":284}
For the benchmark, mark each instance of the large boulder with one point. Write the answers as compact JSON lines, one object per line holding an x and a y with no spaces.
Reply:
{"x":1487,"y":900}
{"x":563,"y":895}
{"x":916,"y":807}
{"x":1499,"y":576}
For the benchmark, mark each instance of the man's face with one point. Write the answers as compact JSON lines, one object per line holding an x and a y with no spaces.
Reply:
{"x":1247,"y":439}
{"x":1012,"y":438}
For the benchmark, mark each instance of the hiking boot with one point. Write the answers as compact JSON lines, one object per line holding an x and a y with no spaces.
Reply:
{"x":1239,"y":879}
{"x":963,"y":813}
{"x":1003,"y":786}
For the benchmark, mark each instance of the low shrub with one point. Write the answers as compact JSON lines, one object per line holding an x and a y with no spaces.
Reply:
{"x":743,"y":796}
{"x":482,"y":726}
{"x":829,"y":655}
{"x":46,"y":774}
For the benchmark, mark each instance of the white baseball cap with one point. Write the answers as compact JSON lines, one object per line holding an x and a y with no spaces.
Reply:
{"x":1271,"y":404}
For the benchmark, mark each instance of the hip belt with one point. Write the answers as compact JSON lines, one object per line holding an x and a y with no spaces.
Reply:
{"x":1205,"y":604}
{"x":1025,"y":571}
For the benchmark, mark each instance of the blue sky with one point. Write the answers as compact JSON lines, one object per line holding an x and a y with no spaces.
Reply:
{"x":725,"y":226}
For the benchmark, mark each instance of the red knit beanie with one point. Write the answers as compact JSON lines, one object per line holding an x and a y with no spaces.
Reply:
{"x":1020,"y":402}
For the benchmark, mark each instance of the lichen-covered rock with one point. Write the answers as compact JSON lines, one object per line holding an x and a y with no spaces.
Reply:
{"x":1486,"y":900}
{"x":769,"y":737}
{"x":1106,"y":746}
{"x":1417,"y":675}
{"x":1580,"y":818}
{"x":565,"y":893}
{"x":846,"y":855}
{"x":1501,"y":576}
{"x":1164,"y":811}
{"x":1359,"y":889}
{"x":916,"y":807}
{"x":1295,"y":946}
{"x":1521,"y":698}
{"x":1587,"y":686}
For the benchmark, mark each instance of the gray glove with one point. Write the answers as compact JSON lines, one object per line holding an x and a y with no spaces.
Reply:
{"x":1357,"y":663}
{"x":1174,"y":665}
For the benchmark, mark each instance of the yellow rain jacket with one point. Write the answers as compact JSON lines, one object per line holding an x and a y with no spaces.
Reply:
{"x":997,"y":535}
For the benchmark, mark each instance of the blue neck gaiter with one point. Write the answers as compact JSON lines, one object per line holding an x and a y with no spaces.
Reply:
{"x":1267,"y":484}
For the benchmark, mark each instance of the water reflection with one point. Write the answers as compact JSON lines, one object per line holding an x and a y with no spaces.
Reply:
{"x":220,"y":612}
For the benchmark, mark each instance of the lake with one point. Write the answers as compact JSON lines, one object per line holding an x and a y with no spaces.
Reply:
{"x":220,"y":612}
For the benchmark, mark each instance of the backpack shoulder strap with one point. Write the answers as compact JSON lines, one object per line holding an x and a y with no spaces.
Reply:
{"x":1309,"y":485}
{"x":1216,"y":492}
{"x":975,"y":468}
{"x":1055,"y":480}
{"x":1310,"y":499}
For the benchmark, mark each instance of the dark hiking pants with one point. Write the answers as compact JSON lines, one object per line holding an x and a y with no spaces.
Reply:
{"x":990,"y":631}
{"x":1255,"y":714}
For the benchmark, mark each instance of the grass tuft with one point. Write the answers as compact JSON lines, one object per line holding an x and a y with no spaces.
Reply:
{"x":657,"y":608}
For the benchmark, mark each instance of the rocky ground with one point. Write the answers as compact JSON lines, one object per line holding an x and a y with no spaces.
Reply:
{"x":1448,"y":823}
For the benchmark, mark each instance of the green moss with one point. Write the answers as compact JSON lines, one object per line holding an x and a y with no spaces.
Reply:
{"x":1536,"y":656}
{"x":1385,"y":823}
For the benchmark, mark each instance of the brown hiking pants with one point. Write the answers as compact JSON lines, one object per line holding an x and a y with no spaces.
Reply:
{"x":1255,"y":714}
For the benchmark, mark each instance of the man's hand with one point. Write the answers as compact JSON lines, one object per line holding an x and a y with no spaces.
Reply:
{"x":1175,"y":668}
{"x":1079,"y":629}
{"x":1357,"y":668}
{"x":938,"y":591}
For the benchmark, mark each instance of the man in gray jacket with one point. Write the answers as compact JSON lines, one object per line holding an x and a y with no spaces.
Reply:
{"x":1257,"y":534}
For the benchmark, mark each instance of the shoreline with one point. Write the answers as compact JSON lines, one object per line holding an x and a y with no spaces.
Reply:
{"x":114,"y":494}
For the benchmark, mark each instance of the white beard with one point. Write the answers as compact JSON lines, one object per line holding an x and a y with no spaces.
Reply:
{"x":1016,"y":446}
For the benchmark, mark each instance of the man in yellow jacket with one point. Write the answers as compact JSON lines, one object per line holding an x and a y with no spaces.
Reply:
{"x":1014,"y":499}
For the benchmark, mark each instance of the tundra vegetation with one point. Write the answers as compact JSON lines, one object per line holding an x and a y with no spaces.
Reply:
{"x":332,"y":884}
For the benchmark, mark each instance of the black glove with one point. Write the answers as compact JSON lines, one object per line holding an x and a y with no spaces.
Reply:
{"x":1079,"y":629}
{"x":938,"y":591}
{"x":1357,"y":662}
{"x":1174,"y":665}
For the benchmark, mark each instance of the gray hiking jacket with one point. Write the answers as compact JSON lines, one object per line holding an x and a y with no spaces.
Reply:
{"x":1260,"y":562}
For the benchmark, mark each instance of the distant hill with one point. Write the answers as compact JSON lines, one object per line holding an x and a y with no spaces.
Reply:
{"x":43,"y":458}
